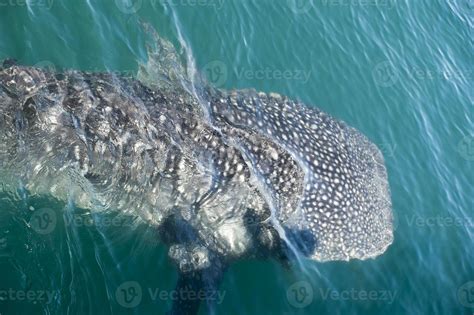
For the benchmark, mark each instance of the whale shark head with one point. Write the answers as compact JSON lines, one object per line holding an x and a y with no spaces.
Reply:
{"x":325,"y":182}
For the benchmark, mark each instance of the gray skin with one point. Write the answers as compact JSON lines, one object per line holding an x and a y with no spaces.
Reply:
{"x":222,"y":175}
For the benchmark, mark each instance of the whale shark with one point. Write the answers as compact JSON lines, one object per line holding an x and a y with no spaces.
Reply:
{"x":222,"y":175}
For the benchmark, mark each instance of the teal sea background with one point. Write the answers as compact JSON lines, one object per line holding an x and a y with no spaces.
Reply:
{"x":399,"y":71}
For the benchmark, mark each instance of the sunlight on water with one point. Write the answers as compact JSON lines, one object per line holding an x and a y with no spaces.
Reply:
{"x":399,"y":71}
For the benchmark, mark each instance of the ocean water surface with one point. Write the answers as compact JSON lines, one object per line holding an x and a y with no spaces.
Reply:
{"x":399,"y":71}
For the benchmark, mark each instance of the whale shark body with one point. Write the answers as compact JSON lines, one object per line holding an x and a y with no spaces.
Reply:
{"x":222,"y":175}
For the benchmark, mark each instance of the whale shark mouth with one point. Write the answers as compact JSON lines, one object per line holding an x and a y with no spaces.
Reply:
{"x":156,"y":149}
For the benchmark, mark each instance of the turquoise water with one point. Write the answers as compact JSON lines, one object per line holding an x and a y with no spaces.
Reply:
{"x":399,"y":71}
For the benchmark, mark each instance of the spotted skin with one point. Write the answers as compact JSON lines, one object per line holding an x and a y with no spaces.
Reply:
{"x":127,"y":148}
{"x":157,"y":153}
{"x":221,"y":175}
{"x":345,"y":201}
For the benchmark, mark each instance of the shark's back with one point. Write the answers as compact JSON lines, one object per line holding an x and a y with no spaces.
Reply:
{"x":211,"y":159}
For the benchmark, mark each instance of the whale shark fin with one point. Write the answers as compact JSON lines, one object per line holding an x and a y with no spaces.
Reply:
{"x":164,"y":68}
{"x":199,"y":287}
{"x":200,"y":270}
